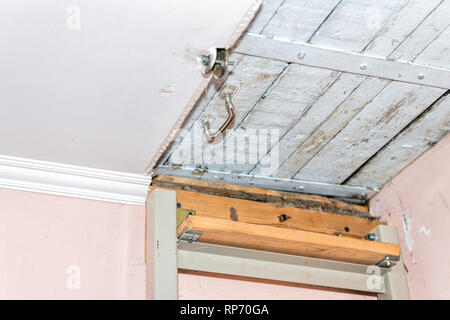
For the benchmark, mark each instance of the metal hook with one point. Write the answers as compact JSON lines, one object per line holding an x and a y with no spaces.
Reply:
{"x":226,"y":94}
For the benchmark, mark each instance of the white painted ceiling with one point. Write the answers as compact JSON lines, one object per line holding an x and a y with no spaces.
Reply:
{"x":106,"y":94}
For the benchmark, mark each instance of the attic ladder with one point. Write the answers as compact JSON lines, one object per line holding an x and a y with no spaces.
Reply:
{"x":277,"y":249}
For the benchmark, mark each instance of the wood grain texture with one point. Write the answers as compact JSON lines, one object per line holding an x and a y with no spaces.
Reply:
{"x":355,"y":23}
{"x":391,"y":111}
{"x":397,"y":29}
{"x":278,"y":198}
{"x":420,"y":136}
{"x":329,"y":123}
{"x":288,"y":241}
{"x":357,"y":100}
{"x":233,"y":209}
{"x":299,"y":19}
{"x":265,"y":14}
{"x":320,"y":110}
{"x":430,"y":29}
{"x":286,"y":103}
{"x":437,"y":54}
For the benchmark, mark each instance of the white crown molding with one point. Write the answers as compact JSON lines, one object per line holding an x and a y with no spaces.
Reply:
{"x":73,"y":181}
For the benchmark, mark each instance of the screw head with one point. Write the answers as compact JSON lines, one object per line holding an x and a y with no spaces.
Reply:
{"x":301,"y":55}
{"x":363,"y":66}
{"x":420,"y":76}
{"x":205,"y":60}
{"x":371,"y":237}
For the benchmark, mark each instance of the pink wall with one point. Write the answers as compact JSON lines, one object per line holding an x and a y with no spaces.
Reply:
{"x":417,"y":201}
{"x":42,"y":237}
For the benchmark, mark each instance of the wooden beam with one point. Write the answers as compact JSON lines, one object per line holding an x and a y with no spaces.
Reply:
{"x":288,"y":241}
{"x":276,"y":215}
{"x":279,"y":198}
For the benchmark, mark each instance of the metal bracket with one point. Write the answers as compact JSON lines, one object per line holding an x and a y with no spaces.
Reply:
{"x":226,"y":94}
{"x":182,"y":214}
{"x":215,"y":61}
{"x":395,"y":280}
{"x":388,"y":262}
{"x":189,"y":235}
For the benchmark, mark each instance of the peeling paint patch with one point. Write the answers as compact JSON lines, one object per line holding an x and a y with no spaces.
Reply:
{"x":407,"y":221}
{"x":425,"y":230}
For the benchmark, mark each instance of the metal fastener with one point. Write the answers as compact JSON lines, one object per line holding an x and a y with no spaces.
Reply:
{"x":371,"y":237}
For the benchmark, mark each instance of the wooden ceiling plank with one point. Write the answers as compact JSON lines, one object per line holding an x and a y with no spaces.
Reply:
{"x":437,"y":54}
{"x":420,"y":136}
{"x":299,"y":19}
{"x":357,"y":100}
{"x":287,"y":101}
{"x":265,"y":14}
{"x":354,"y":23}
{"x":424,"y":34}
{"x":322,"y":108}
{"x":402,"y":25}
{"x":289,"y":241}
{"x":391,"y":111}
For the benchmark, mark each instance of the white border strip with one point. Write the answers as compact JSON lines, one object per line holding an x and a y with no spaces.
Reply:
{"x":73,"y":181}
{"x":306,"y":54}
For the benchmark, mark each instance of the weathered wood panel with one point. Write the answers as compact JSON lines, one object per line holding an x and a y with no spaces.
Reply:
{"x":421,"y":135}
{"x":397,"y":30}
{"x":317,"y":112}
{"x":357,"y":100}
{"x":265,"y":14}
{"x":353,"y":24}
{"x":391,"y":111}
{"x":341,"y":89}
{"x":438,"y":52}
{"x":288,"y":100}
{"x":424,"y":34}
{"x":299,"y":19}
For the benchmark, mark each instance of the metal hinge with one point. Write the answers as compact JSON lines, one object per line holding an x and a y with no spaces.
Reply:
{"x":189,"y":235}
{"x":215,"y":61}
